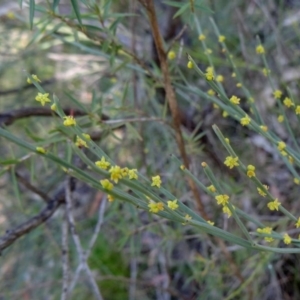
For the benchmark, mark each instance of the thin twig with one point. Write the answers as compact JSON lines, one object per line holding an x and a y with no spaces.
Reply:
{"x":65,"y":257}
{"x":81,"y":255}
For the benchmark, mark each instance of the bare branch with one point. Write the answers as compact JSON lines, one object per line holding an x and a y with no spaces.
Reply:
{"x":15,"y":233}
{"x":65,"y":257}
{"x":10,"y":117}
{"x":81,"y":256}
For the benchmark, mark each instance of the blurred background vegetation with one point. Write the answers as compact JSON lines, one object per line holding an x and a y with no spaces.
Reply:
{"x":109,"y":68}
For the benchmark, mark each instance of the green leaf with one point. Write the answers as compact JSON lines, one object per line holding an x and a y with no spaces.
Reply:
{"x":31,"y":12}
{"x":76,"y":10}
{"x":10,"y":161}
{"x":55,"y":3}
{"x":16,"y":187}
{"x":181,"y":10}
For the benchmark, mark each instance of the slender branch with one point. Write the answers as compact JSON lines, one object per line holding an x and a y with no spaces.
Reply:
{"x":65,"y":257}
{"x":81,"y":255}
{"x":12,"y":235}
{"x":171,"y":97}
{"x":10,"y":117}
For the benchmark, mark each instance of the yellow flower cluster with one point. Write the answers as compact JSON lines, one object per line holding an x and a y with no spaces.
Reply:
{"x":222,"y":38}
{"x":34,"y":77}
{"x":222,"y":199}
{"x":156,"y":181}
{"x":231,"y":162}
{"x":250,"y":171}
{"x":69,"y":121}
{"x":260,"y":49}
{"x":287,"y":239}
{"x":245,"y":121}
{"x":235,"y":100}
{"x":274,"y":205}
{"x":277,"y":94}
{"x":261,"y":192}
{"x":202,"y":37}
{"x":171,"y":55}
{"x":288,"y":102}
{"x":155,"y":207}
{"x":209,"y":75}
{"x":42,"y":98}
{"x":266,"y":230}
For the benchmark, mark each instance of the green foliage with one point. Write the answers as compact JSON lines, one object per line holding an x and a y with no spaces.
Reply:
{"x":110,"y":102}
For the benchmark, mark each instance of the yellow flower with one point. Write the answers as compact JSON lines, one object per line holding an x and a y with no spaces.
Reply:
{"x":220,"y":78}
{"x":277,"y":94}
{"x":239,"y":84}
{"x":115,"y":173}
{"x":42,"y":98}
{"x":288,"y":102}
{"x":155,"y":207}
{"x":106,"y":184}
{"x":53,"y":107}
{"x":280,"y":118}
{"x":41,"y":150}
{"x":283,"y":153}
{"x":296,"y":181}
{"x":34,"y":77}
{"x":222,"y":38}
{"x":156,"y":181}
{"x":211,"y":92}
{"x":297,"y":110}
{"x":281,"y":145}
{"x":233,"y":75}
{"x":211,"y":188}
{"x":298,"y":223}
{"x":190,"y":65}
{"x":266,"y":230}
{"x":102,"y":164}
{"x":235,"y":100}
{"x":171,"y":55}
{"x":227,"y":211}
{"x":86,"y":136}
{"x":187,"y":218}
{"x":260,"y":49}
{"x":231,"y":162}
{"x":110,"y":198}
{"x":80,"y":142}
{"x":124,"y":171}
{"x":208,"y":51}
{"x":69,"y":121}
{"x":132,"y":173}
{"x":209,"y":75}
{"x":215,"y":106}
{"x":261,"y":192}
{"x":246,"y":120}
{"x":204,"y":164}
{"x":173,"y":204}
{"x":287,"y":239}
{"x":225,"y":114}
{"x":202,"y":37}
{"x":182,"y":167}
{"x":211,"y":223}
{"x":227,"y":140}
{"x":274,"y":205}
{"x":250,"y":171}
{"x":264,"y":128}
{"x":222,"y":199}
{"x":266,"y":71}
